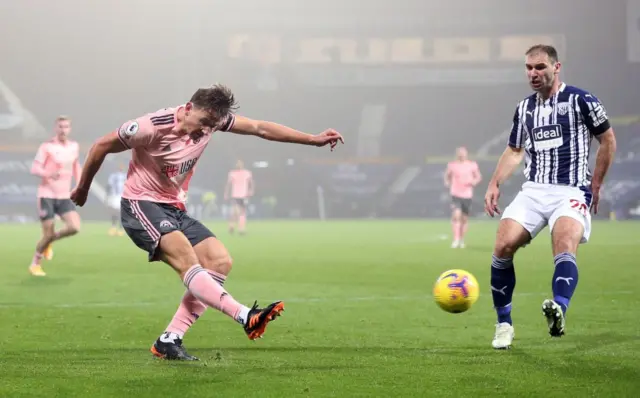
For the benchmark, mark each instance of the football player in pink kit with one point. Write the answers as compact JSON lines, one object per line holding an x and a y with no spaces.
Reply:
{"x":461,"y":176}
{"x":56,"y":163}
{"x":166,"y":146}
{"x":240,"y":188}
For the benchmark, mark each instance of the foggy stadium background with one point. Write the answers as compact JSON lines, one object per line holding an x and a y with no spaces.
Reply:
{"x":405,"y":82}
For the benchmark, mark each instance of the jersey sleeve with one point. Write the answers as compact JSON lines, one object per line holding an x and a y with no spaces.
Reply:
{"x":517,"y":135}
{"x":37,"y":167}
{"x":594,"y":114}
{"x":41,"y":155}
{"x":137,"y":133}
{"x":228,"y":122}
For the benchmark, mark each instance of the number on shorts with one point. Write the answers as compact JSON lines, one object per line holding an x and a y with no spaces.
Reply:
{"x":579,"y":206}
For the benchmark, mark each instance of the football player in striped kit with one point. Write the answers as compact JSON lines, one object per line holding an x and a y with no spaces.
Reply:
{"x":552,"y":131}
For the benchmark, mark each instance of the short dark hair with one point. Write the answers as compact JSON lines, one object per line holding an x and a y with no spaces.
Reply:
{"x":217,"y":98}
{"x":544,"y":48}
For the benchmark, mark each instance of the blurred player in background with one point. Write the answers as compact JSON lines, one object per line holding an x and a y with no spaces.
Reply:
{"x":553,"y":127}
{"x":166,"y":146}
{"x":461,"y":176}
{"x":56,"y":163}
{"x":239,"y":188}
{"x":116,"y":187}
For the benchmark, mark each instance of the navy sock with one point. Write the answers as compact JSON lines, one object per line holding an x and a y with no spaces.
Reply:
{"x":503,"y":282}
{"x":565,"y":279}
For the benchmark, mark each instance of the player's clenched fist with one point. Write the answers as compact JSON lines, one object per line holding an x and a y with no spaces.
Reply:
{"x":79,"y":196}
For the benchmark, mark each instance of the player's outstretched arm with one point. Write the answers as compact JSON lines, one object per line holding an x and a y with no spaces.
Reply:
{"x":604,"y":158}
{"x":276,"y":132}
{"x":105,"y":145}
{"x":509,"y":160}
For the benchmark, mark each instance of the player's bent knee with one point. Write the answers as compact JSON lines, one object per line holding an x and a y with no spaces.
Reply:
{"x":220,"y":265}
{"x":510,"y":237}
{"x":505,"y":249}
{"x":566,"y":235}
{"x":565,"y":243}
{"x":220,"y":262}
{"x":72,"y":222}
{"x":213,"y":255}
{"x":564,"y":246}
{"x":74,"y":229}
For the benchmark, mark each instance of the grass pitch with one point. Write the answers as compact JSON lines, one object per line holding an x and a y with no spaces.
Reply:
{"x":359,"y":321}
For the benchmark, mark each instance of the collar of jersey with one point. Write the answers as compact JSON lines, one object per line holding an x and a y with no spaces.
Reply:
{"x":563,"y":85}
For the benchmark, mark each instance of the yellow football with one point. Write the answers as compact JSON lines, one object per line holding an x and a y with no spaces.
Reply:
{"x":456,"y":291}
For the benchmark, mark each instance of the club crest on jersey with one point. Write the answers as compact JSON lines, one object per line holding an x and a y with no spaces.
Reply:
{"x":171,"y":170}
{"x":547,"y":137}
{"x":563,"y":108}
{"x":129,"y":129}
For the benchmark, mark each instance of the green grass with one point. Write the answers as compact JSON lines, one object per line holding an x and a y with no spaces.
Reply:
{"x":360,"y":320}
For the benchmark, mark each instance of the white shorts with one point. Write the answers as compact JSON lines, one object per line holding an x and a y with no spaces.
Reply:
{"x":538,"y":205}
{"x":113,"y":201}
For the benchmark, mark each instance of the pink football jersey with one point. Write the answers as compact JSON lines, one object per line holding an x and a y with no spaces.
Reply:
{"x":463,"y":176}
{"x":240,"y":182}
{"x":60,"y":162}
{"x":162,"y":160}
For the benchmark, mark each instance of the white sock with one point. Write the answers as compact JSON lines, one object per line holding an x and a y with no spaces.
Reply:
{"x":169,"y":337}
{"x":244,"y":314}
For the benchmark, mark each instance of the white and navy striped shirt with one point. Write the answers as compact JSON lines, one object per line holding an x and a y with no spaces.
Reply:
{"x":116,"y":183}
{"x":556,"y":135}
